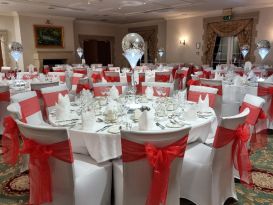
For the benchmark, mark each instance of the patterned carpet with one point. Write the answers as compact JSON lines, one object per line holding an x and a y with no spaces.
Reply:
{"x":14,"y":185}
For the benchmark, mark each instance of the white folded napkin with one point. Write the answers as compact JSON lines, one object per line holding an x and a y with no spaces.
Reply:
{"x":252,"y":77}
{"x":149,"y":92}
{"x":88,"y":120}
{"x":61,"y":112}
{"x":114,"y":94}
{"x":203,"y":105}
{"x":146,"y":120}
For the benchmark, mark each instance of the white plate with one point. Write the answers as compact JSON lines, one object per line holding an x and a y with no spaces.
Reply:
{"x":114,"y":129}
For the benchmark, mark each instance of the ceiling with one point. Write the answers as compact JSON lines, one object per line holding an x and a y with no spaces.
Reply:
{"x":125,"y":11}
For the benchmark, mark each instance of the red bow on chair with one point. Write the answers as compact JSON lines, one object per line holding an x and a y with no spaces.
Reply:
{"x":162,"y":78}
{"x":263,"y":91}
{"x":240,"y":156}
{"x":160,"y":160}
{"x":10,"y":141}
{"x":207,"y":74}
{"x":40,"y":175}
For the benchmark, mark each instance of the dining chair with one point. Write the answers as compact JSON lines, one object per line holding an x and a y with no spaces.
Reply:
{"x":83,"y":84}
{"x":207,"y":172}
{"x":265,"y":91}
{"x":26,"y":107}
{"x":141,"y":80}
{"x":196,"y":91}
{"x":179,"y":80}
{"x":160,"y":89}
{"x":136,"y":176}
{"x":4,"y":102}
{"x":60,"y":75}
{"x":75,"y":179}
{"x":163,"y":76}
{"x":102,"y":89}
{"x":219,"y":99}
{"x":38,"y":86}
{"x":112,"y":76}
{"x":75,"y":80}
{"x":256,"y":120}
{"x":50,"y":96}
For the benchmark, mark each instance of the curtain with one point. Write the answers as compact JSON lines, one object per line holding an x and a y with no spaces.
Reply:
{"x":240,"y":28}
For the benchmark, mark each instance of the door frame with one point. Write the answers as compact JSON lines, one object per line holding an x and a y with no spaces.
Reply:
{"x":111,"y":39}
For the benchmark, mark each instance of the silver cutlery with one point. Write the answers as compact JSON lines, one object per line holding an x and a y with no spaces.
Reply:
{"x":159,"y":125}
{"x":104,"y":128}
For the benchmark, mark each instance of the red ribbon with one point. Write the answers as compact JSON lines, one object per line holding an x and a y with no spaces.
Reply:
{"x":96,"y":77}
{"x":84,"y":72}
{"x":113,"y":79}
{"x":258,"y":140}
{"x":240,"y":156}
{"x":206,"y":74}
{"x":162,"y":78}
{"x":219,"y":87}
{"x":241,"y":73}
{"x":194,"y":97}
{"x":29,"y":107}
{"x":46,"y":71}
{"x":75,"y":80}
{"x":80,"y":87}
{"x":263,"y":91}
{"x":39,"y":170}
{"x":10,"y":141}
{"x":193,"y":82}
{"x":50,"y":99}
{"x":5,"y":96}
{"x":160,"y":160}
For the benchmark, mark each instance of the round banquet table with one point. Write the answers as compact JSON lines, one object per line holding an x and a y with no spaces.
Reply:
{"x":103,"y":145}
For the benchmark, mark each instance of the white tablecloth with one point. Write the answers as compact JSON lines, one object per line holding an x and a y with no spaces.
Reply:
{"x":103,"y":146}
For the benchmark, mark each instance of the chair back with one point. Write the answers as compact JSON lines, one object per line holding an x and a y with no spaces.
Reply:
{"x":75,"y":80}
{"x":137,"y":175}
{"x":38,"y":86}
{"x":164,"y":76}
{"x":213,"y":84}
{"x":101,"y":89}
{"x":160,"y":89}
{"x":62,"y":173}
{"x":28,"y":107}
{"x":196,"y":91}
{"x":60,"y":75}
{"x":112,"y":76}
{"x":222,"y":163}
{"x":50,"y":96}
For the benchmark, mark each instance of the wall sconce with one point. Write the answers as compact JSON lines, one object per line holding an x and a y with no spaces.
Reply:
{"x":183,"y":42}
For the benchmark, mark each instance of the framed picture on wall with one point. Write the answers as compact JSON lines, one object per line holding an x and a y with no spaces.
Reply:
{"x":48,"y":36}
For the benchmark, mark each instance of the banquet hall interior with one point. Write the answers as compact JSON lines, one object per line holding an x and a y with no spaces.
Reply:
{"x":136,"y":102}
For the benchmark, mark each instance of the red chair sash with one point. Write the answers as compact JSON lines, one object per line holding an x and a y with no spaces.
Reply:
{"x":219,"y":87}
{"x":59,"y":70}
{"x":160,"y":160}
{"x":193,"y":82}
{"x":10,"y":141}
{"x":241,"y":73}
{"x":5,"y":96}
{"x":263,"y":91}
{"x":98,"y":91}
{"x":162,"y":78}
{"x":112,"y":79}
{"x":157,"y":93}
{"x":75,"y":80}
{"x":240,"y":156}
{"x":194,"y":97}
{"x":84,"y":72}
{"x":29,"y":76}
{"x":256,"y":117}
{"x":29,"y":107}
{"x":39,"y":174}
{"x":206,"y":74}
{"x":255,"y":113}
{"x":96,"y":77}
{"x":80,"y":87}
{"x":50,"y":99}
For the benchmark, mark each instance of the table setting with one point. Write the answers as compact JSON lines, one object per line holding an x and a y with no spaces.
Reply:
{"x":94,"y":123}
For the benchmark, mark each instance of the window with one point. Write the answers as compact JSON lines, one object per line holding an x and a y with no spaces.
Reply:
{"x":227,"y":50}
